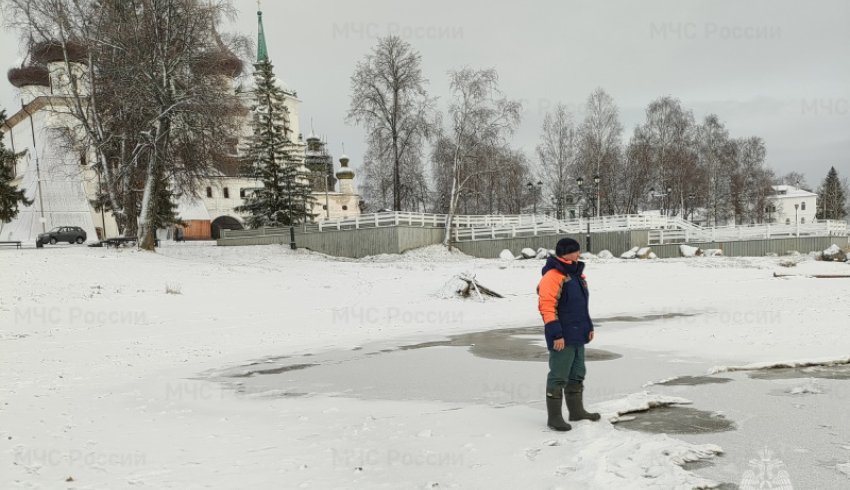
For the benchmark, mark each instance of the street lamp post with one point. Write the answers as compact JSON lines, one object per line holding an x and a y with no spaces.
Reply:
{"x":41,"y":219}
{"x":102,"y":213}
{"x":653,"y":194}
{"x":535,"y":192}
{"x":691,"y":206}
{"x":291,"y":223}
{"x":797,"y":219}
{"x":327,"y":203}
{"x":662,"y":195}
{"x":580,"y":183}
{"x":596,"y":180}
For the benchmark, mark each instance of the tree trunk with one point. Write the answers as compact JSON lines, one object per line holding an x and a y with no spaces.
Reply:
{"x":147,"y":239}
{"x":447,"y":240}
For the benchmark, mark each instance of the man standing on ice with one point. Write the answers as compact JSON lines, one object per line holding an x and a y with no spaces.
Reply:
{"x":563,"y":303}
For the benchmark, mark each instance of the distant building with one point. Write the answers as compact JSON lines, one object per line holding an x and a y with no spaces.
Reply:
{"x":63,"y":183}
{"x":60,"y":181}
{"x":790,"y":204}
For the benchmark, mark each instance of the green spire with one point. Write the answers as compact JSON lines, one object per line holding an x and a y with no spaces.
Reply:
{"x":262,"y":52}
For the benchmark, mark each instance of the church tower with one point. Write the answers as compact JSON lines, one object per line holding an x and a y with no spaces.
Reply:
{"x":291,"y":100}
{"x":320,"y":164}
{"x":345,"y":176}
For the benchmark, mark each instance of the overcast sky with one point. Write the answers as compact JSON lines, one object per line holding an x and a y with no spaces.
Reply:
{"x":779,"y":69}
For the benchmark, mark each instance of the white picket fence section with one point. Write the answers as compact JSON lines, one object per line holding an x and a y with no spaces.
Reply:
{"x":623,"y":222}
{"x":629,"y":222}
{"x":375,"y":220}
{"x":461,"y":234}
{"x":751,"y":232}
{"x":662,"y":229}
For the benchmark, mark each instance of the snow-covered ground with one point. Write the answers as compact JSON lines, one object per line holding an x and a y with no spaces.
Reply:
{"x":102,"y":354}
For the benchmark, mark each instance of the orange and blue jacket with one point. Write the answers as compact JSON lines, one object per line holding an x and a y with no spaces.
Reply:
{"x":563,"y":302}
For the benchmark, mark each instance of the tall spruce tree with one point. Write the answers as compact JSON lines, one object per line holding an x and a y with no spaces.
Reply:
{"x":285,"y":198}
{"x":166,"y":208}
{"x":831,"y":198}
{"x":10,"y":196}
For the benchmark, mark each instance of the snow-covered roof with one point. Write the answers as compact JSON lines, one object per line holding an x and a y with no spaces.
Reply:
{"x":791,"y":191}
{"x":192,"y":209}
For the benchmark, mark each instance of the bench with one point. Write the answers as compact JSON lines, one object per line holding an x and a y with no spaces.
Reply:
{"x":16,"y":244}
{"x":119,"y":241}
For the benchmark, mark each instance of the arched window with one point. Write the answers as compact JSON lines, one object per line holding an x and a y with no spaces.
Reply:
{"x":802,"y":221}
{"x":226,"y":193}
{"x":787,"y":221}
{"x":209,"y":191}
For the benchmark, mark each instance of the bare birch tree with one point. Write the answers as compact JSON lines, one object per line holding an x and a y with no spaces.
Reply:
{"x":557,"y":154}
{"x":637,"y":174}
{"x":480,"y":118}
{"x":388,"y":97}
{"x":668,"y":138}
{"x":378,"y":178}
{"x":717,"y":158}
{"x":751,"y":181}
{"x":599,"y":149}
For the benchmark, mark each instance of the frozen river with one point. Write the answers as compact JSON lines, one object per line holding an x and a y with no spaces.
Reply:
{"x":774,"y":425}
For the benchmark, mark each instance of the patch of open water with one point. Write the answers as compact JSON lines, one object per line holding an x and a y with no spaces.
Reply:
{"x":792,"y":419}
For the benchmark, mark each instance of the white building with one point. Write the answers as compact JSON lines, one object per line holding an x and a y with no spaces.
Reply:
{"x":58,"y":180}
{"x":62,"y":183}
{"x":790,"y":205}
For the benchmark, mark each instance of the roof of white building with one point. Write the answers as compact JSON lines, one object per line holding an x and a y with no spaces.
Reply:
{"x":791,"y":191}
{"x":192,"y":209}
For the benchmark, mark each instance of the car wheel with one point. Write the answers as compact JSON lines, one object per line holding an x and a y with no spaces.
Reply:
{"x":80,"y":240}
{"x":52,"y":241}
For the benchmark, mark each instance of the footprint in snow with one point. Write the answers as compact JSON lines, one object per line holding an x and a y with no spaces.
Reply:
{"x":531,"y":454}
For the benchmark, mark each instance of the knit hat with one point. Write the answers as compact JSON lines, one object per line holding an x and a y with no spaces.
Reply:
{"x":566,"y":246}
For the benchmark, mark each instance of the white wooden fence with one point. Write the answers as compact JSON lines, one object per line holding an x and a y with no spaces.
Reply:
{"x":375,"y":220}
{"x":663,"y":229}
{"x":753,"y":232}
{"x":596,"y":225}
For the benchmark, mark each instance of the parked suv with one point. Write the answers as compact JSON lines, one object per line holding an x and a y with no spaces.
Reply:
{"x":70,"y":234}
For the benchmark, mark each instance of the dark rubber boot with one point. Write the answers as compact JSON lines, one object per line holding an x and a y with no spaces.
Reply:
{"x":575,"y":404}
{"x":554,"y":401}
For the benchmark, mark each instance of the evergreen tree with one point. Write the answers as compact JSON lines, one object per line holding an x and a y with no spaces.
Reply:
{"x":831,"y":197}
{"x":285,"y":197}
{"x":10,"y":197}
{"x":164,"y":206}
